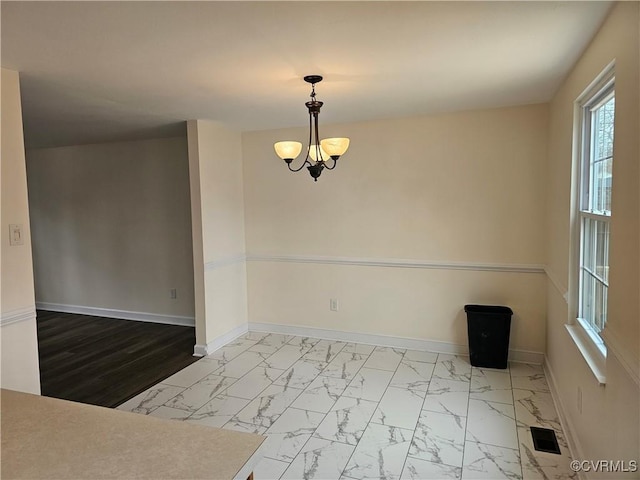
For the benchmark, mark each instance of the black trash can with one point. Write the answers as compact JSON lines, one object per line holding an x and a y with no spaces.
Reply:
{"x":488,"y":327}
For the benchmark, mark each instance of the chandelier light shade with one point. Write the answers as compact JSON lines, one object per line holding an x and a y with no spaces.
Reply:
{"x":313,"y":151}
{"x":320,"y":153}
{"x":288,"y":150}
{"x":335,"y":147}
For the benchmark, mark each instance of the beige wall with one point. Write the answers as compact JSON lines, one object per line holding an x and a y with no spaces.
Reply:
{"x":609,"y":425}
{"x":463,"y":189}
{"x":112,"y":227}
{"x":215,"y":162}
{"x":19,"y":354}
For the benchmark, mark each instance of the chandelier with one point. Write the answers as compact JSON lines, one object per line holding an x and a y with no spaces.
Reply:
{"x":319,"y":152}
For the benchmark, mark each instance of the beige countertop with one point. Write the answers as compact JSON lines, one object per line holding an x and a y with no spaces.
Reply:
{"x":55,"y":439}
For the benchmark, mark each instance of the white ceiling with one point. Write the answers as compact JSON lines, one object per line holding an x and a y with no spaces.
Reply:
{"x":102,"y":71}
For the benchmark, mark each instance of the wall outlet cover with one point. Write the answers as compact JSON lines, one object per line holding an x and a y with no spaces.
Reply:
{"x":15,"y":235}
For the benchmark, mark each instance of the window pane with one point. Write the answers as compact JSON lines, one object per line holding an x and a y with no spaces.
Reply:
{"x":588,"y":244}
{"x":601,"y":158}
{"x":602,"y":250}
{"x":602,"y":185}
{"x":593,"y":306}
{"x":587,"y":311}
{"x":603,"y":118}
{"x":595,"y":247}
{"x":600,"y":312}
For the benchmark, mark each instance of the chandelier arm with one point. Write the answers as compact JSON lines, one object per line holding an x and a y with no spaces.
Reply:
{"x":306,"y":159}
{"x":297,"y":169}
{"x":326,"y":165}
{"x":318,"y":149}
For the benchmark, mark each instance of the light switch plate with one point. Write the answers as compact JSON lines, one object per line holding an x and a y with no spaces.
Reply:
{"x":15,"y":235}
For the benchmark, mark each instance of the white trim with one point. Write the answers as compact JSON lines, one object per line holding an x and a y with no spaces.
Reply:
{"x":589,"y":345}
{"x":600,"y":83}
{"x":590,"y":352}
{"x":624,"y":356}
{"x":564,"y":291}
{"x":575,"y":448}
{"x":526,"y":356}
{"x":200,"y":350}
{"x":17,"y":315}
{"x":594,"y":338}
{"x":436,"y":346}
{"x":121,"y":314}
{"x":600,"y":217}
{"x":224,"y":262}
{"x":397,"y":263}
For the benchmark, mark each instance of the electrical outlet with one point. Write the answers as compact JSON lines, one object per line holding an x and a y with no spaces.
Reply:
{"x":580,"y":400}
{"x":173,"y":293}
{"x":333,"y":304}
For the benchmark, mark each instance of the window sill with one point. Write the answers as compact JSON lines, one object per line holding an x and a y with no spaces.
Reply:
{"x":592,"y":353}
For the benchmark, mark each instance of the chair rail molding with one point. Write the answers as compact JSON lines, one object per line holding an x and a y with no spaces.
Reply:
{"x":555,"y":281}
{"x":398,"y":263}
{"x":18,"y":315}
{"x":225,"y":261}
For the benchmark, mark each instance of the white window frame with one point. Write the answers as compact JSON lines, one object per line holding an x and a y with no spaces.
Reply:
{"x":586,"y":339}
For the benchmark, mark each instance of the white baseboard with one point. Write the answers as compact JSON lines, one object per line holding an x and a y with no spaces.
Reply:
{"x":522,"y":356}
{"x":200,"y":350}
{"x":526,"y":356}
{"x":121,"y":314}
{"x":575,"y":449}
{"x":18,"y":315}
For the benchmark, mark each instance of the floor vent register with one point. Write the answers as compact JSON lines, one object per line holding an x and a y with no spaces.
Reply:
{"x":544,"y":440}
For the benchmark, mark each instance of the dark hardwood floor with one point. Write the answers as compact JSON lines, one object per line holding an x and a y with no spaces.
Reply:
{"x":106,"y":361}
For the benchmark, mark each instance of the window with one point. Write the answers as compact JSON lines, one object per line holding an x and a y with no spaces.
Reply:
{"x":597,"y":112}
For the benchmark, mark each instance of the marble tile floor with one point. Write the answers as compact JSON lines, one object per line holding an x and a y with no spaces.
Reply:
{"x":336,"y":410}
